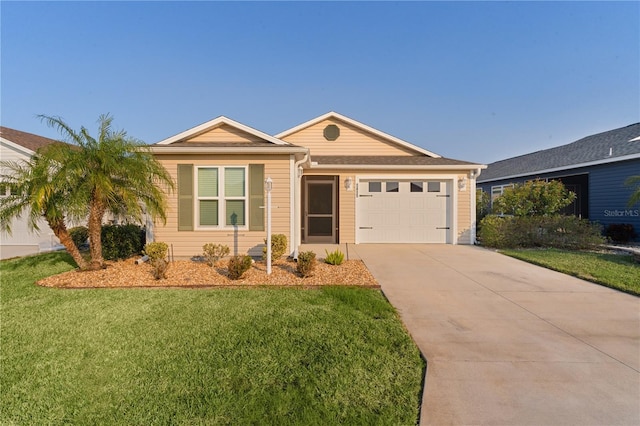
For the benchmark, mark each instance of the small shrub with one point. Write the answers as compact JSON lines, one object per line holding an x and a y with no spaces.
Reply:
{"x":79,"y":235}
{"x":157,"y":253}
{"x":492,"y":231}
{"x":306,"y":263}
{"x":121,"y":241}
{"x":334,"y":258}
{"x":157,"y":250}
{"x":620,"y":232}
{"x":238,"y":265}
{"x":214,"y":252}
{"x":278,"y":247}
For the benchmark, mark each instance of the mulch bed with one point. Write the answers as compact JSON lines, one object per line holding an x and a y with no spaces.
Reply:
{"x":194,"y":274}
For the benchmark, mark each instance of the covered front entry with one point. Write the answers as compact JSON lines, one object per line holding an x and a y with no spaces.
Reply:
{"x":403,"y":211}
{"x":319,"y":213}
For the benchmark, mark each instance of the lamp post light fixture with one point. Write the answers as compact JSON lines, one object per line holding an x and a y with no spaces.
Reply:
{"x":268,"y":186}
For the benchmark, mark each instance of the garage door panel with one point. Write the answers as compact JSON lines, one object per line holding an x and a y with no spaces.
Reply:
{"x":403,"y":216}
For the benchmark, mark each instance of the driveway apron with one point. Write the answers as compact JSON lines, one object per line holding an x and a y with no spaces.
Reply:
{"x":510,"y":343}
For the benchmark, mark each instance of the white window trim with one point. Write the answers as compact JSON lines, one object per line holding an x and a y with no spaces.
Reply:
{"x":501,"y":188}
{"x":222,"y":198}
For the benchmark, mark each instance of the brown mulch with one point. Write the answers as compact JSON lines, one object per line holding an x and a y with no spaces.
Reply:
{"x":189,"y":273}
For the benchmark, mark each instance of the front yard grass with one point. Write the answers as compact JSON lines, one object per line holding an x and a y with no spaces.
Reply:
{"x":612,"y":270}
{"x":337,"y":355}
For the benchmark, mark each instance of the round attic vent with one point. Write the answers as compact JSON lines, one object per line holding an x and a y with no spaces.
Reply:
{"x":331,"y":132}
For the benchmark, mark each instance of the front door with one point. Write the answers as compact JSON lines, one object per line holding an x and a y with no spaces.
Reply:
{"x":320,"y":217}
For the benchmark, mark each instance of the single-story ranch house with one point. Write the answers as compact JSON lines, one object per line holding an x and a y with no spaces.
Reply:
{"x":594,"y":167}
{"x":334,"y":180}
{"x":21,"y":146}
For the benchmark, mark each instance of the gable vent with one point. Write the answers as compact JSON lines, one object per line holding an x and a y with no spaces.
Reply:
{"x":331,"y":132}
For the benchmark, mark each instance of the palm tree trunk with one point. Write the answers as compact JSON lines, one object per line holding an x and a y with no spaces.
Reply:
{"x":60,"y":231}
{"x":96,"y":212}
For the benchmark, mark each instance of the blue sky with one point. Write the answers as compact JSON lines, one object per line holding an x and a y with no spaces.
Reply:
{"x":477,"y":81}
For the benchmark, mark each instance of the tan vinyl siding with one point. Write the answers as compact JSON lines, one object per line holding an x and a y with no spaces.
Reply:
{"x":352,"y":141}
{"x":189,"y":243}
{"x":347,"y":213}
{"x":225,"y":133}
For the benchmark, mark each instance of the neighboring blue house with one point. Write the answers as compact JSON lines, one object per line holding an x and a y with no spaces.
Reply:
{"x":594,"y":167}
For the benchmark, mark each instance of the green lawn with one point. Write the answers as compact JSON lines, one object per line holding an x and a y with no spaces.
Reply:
{"x":164,"y":356}
{"x":612,"y":270}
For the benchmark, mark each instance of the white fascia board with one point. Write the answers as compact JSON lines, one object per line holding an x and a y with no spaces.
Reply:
{"x":17,"y":147}
{"x":396,"y":167}
{"x":227,"y":150}
{"x":333,"y":114}
{"x":217,"y":122}
{"x":635,"y":139}
{"x":570,"y":167}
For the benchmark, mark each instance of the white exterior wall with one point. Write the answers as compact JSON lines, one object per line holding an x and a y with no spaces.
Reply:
{"x":23,"y":241}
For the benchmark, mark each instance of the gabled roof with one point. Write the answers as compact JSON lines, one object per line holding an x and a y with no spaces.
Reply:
{"x":217,"y":122}
{"x":357,"y":124}
{"x":29,"y":142}
{"x":606,"y":147}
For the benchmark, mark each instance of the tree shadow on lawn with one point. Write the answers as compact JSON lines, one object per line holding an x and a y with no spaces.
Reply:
{"x":39,"y":261}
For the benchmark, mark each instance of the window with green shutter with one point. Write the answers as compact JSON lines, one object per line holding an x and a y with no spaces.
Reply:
{"x":223,"y":197}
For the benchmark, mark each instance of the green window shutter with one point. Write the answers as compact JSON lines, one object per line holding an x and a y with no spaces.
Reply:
{"x":185,"y":197}
{"x":256,"y":197}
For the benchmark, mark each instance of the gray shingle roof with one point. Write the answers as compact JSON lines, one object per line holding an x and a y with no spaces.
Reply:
{"x":603,"y":146}
{"x":387,"y":160}
{"x":27,"y":140}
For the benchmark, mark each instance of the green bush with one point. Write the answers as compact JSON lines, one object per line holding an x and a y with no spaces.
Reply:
{"x":567,"y":232}
{"x":334,"y":258}
{"x":533,"y":198}
{"x":121,"y":241}
{"x":214,"y":252}
{"x":238,"y":265}
{"x":306,"y":263}
{"x":278,"y":247}
{"x":79,"y":235}
{"x":157,"y":253}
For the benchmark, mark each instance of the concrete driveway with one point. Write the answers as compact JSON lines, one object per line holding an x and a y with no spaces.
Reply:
{"x":509,"y":343}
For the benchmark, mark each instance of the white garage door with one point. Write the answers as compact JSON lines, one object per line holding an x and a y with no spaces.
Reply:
{"x":399,"y":211}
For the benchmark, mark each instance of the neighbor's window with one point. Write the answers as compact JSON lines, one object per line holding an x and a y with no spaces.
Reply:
{"x":498,"y":190}
{"x":375,"y":186}
{"x":433,"y":186}
{"x":392,"y":186}
{"x":222,"y":198}
{"x":416,"y":187}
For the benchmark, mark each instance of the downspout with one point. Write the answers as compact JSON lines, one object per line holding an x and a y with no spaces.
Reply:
{"x":297,"y":203}
{"x":474,"y":227}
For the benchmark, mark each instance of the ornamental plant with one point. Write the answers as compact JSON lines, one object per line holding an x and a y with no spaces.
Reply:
{"x":334,"y":258}
{"x":278,"y":247}
{"x":157,"y":253}
{"x":238,"y":265}
{"x":214,"y":252}
{"x":306,"y":263}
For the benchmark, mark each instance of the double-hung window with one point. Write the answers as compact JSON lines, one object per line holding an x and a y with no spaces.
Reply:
{"x":221,"y":197}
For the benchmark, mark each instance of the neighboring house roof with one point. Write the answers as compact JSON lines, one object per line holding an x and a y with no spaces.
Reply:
{"x":386,"y":161}
{"x":606,"y":147}
{"x":217,"y":122}
{"x":28,"y":141}
{"x":357,"y":124}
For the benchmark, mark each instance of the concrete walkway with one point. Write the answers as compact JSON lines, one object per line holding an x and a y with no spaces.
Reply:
{"x":509,"y":343}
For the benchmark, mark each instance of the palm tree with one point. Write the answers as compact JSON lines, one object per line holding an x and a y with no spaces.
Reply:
{"x":38,"y":190}
{"x":111,"y":173}
{"x":635,"y":195}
